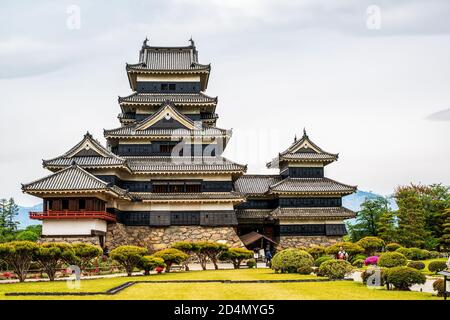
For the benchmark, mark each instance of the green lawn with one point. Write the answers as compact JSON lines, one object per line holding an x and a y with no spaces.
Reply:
{"x":204,"y":291}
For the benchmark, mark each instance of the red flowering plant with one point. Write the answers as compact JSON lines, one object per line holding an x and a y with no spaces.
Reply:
{"x":372,"y":260}
{"x":159,"y":269}
{"x":8,"y":275}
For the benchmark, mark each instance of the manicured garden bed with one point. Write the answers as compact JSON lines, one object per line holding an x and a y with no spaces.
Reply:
{"x":201,"y":291}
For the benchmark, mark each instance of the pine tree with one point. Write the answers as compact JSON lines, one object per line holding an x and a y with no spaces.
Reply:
{"x":387,"y":229}
{"x":445,"y":239}
{"x":411,"y":217}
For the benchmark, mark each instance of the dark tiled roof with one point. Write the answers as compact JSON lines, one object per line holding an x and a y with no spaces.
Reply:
{"x":313,"y":213}
{"x":70,"y":178}
{"x":102,"y":156}
{"x":187,"y":196}
{"x":176,"y":98}
{"x":168,"y":59}
{"x":182,"y":164}
{"x":255,"y":184}
{"x":311,"y":185}
{"x":253,"y":213}
{"x":130,"y":130}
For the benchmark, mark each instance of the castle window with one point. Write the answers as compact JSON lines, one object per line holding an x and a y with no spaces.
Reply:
{"x":172,"y":86}
{"x":65,"y":204}
{"x":166,"y":148}
{"x":81,"y":204}
{"x":164,"y":86}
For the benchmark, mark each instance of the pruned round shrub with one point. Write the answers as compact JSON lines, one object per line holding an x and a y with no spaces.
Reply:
{"x":418,"y":265}
{"x":359,"y":257}
{"x":418,"y":254}
{"x":437,"y":266}
{"x":128,"y":256}
{"x":292,"y":261}
{"x":351,"y":248}
{"x":434,"y":254}
{"x":375,"y":276}
{"x":149,"y":263}
{"x":392,"y":246}
{"x":372,"y":260}
{"x":402,"y":278}
{"x":251,"y":263}
{"x":52,"y":255}
{"x":371,"y":244}
{"x":236,"y":256}
{"x":316,"y":251}
{"x":392,"y":259}
{"x":171,"y":256}
{"x":335,"y":269}
{"x":321,"y":260}
{"x":403,"y":251}
{"x":438,"y":286}
{"x":358,"y":263}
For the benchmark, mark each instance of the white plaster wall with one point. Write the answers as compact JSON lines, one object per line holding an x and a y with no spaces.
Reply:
{"x":72,"y":226}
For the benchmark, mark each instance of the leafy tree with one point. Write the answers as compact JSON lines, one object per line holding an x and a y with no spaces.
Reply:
{"x":19,"y":255}
{"x":236,"y":256}
{"x":51,"y":257}
{"x":368,"y":217}
{"x":128,"y":256}
{"x":171,"y":256}
{"x":27,"y":235}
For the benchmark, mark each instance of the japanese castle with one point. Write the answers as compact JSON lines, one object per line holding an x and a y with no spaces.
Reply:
{"x":161,"y":178}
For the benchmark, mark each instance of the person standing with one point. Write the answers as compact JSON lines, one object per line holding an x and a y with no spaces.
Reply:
{"x":342,"y":254}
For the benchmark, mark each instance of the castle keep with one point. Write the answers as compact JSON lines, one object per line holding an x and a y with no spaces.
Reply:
{"x":161,"y":177}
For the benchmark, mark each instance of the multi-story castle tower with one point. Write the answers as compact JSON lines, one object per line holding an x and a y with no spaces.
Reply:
{"x":162,"y":178}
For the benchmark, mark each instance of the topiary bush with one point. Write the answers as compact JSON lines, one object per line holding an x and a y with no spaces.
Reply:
{"x":358,"y":263}
{"x":85,"y":253}
{"x":402,"y":278}
{"x":403,"y":251}
{"x":171,"y":256}
{"x":321,"y":260}
{"x":368,"y":275}
{"x":316,"y":251}
{"x":418,"y":254}
{"x":51,"y":257}
{"x":236,"y":256}
{"x":293,"y":260}
{"x":128,"y":256}
{"x":392,"y":259}
{"x":18,"y":255}
{"x":352,"y":249}
{"x":187,"y":247}
{"x":418,"y":265}
{"x":359,"y":257}
{"x":149,"y":263}
{"x":434,"y":254}
{"x":251,"y":263}
{"x":438,"y":286}
{"x":371,"y":244}
{"x":437,"y":266}
{"x":335,"y":269}
{"x":392,"y":246}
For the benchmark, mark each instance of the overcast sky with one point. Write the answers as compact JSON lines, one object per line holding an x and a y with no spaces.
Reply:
{"x":372,"y":83}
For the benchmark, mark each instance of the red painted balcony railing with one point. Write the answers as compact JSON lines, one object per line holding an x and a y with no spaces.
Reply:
{"x":103,"y":215}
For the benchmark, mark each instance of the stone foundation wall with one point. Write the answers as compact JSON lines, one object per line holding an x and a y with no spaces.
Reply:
{"x":155,"y":239}
{"x":306,"y":241}
{"x":79,"y":239}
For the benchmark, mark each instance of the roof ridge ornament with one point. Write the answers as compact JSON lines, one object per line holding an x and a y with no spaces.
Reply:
{"x":304,"y":132}
{"x":192,"y":42}
{"x":144,"y":43}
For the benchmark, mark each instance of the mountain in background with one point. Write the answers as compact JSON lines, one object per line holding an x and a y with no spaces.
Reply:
{"x":353,"y":202}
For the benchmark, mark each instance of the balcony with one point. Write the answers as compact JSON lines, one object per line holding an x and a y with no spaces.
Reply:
{"x":102,"y":215}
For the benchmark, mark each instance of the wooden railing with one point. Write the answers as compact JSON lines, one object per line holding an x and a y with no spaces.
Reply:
{"x":103,"y":215}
